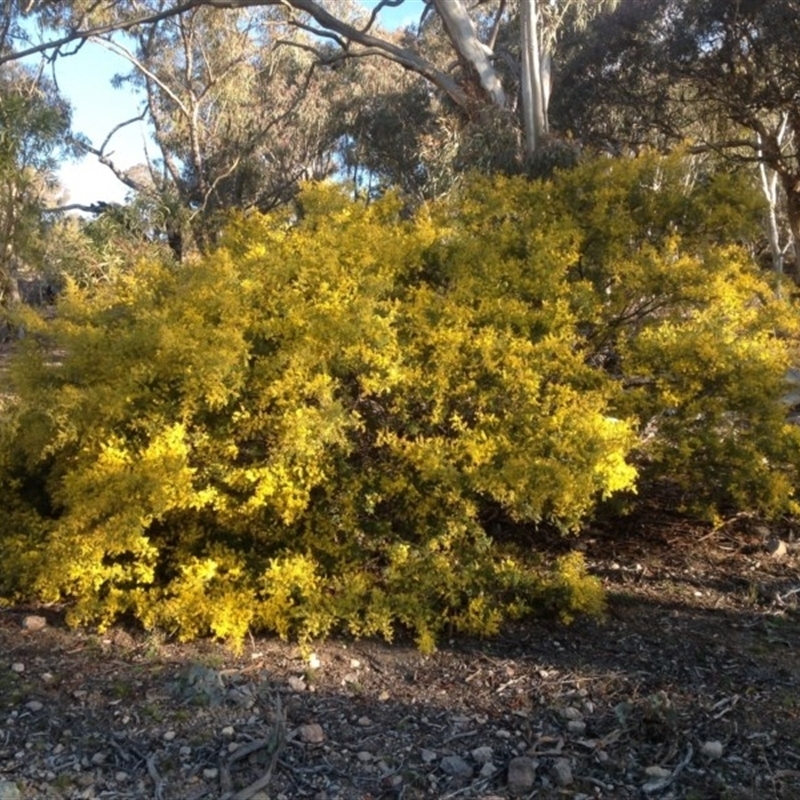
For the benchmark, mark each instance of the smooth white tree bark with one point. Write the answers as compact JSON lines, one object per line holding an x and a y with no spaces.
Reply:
{"x":534,"y":78}
{"x":464,"y":37}
{"x":769,"y":187}
{"x":541,"y":21}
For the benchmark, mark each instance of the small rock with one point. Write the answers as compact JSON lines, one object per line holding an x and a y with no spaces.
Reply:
{"x":211,"y":773}
{"x":34,"y":705}
{"x":296,"y":684}
{"x":312,"y":733}
{"x":18,"y":667}
{"x":657,"y":772}
{"x":521,"y":774}
{"x":314,"y":662}
{"x":776,"y":548}
{"x":98,"y":759}
{"x":243,"y":696}
{"x":354,"y":663}
{"x":427,"y":756}
{"x":364,"y":756}
{"x":562,"y":772}
{"x":576,"y":726}
{"x":228,"y":731}
{"x":34,"y":623}
{"x":712,"y":749}
{"x":48,"y":677}
{"x":502,"y":733}
{"x":483,"y":755}
{"x":121,"y":777}
{"x":456,"y":767}
{"x":384,"y":696}
{"x":9,"y":791}
{"x":571,"y":713}
{"x":488,"y":769}
{"x":169,"y":736}
{"x":364,"y":722}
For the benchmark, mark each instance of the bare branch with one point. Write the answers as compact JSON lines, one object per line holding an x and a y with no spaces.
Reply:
{"x":94,"y":208}
{"x":81,"y":34}
{"x":221,"y":177}
{"x":375,"y":11}
{"x":119,"y":50}
{"x":120,"y":174}
{"x":319,"y":32}
{"x":496,"y":25}
{"x":121,"y":125}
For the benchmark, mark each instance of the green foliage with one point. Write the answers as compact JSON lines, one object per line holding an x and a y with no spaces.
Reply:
{"x":309,"y":428}
{"x":34,"y":124}
{"x":693,"y":332}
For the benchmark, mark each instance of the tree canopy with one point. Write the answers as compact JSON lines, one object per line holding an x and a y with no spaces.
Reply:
{"x":34,"y":126}
{"x":722,"y":76}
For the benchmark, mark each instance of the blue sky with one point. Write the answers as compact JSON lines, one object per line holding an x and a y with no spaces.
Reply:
{"x":85,"y":79}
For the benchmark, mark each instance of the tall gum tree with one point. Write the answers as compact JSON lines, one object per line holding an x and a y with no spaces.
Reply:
{"x":480,"y":84}
{"x":34,"y":126}
{"x":238,"y":114}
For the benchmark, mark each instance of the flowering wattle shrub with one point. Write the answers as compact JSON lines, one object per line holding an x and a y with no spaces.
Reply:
{"x":311,"y":427}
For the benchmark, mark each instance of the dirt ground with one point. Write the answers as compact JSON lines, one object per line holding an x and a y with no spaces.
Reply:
{"x":689,"y":688}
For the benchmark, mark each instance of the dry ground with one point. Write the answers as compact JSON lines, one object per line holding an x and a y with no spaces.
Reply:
{"x":688,"y":689}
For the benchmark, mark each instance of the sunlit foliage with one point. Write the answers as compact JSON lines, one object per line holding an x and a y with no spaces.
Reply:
{"x":313,"y":426}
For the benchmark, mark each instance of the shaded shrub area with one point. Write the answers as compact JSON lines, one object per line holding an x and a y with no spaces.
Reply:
{"x":309,"y":428}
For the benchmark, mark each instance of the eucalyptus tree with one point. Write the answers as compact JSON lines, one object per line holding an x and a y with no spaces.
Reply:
{"x":34,"y":127}
{"x":239,"y":112}
{"x":489,"y":78}
{"x":723,"y":76}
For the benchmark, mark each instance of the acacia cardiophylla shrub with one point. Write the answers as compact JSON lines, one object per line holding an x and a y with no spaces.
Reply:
{"x":308,"y":428}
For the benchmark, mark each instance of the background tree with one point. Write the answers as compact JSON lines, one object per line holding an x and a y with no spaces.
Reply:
{"x":724,"y":76}
{"x":238,"y":115}
{"x":481,"y":85}
{"x":34,"y":123}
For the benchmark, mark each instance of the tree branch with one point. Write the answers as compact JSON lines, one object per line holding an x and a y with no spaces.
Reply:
{"x":81,"y":34}
{"x":106,"y":161}
{"x":406,"y":58}
{"x":95,"y":208}
{"x":119,"y":50}
{"x":375,"y":11}
{"x":461,"y":31}
{"x":331,"y":25}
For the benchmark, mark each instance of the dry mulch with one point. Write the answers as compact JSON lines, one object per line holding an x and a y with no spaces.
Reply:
{"x":688,"y":689}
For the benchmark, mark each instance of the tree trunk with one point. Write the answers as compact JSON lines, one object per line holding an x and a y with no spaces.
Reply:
{"x":791,"y":185}
{"x":769,"y":186}
{"x":471,"y":50}
{"x":535,"y":79}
